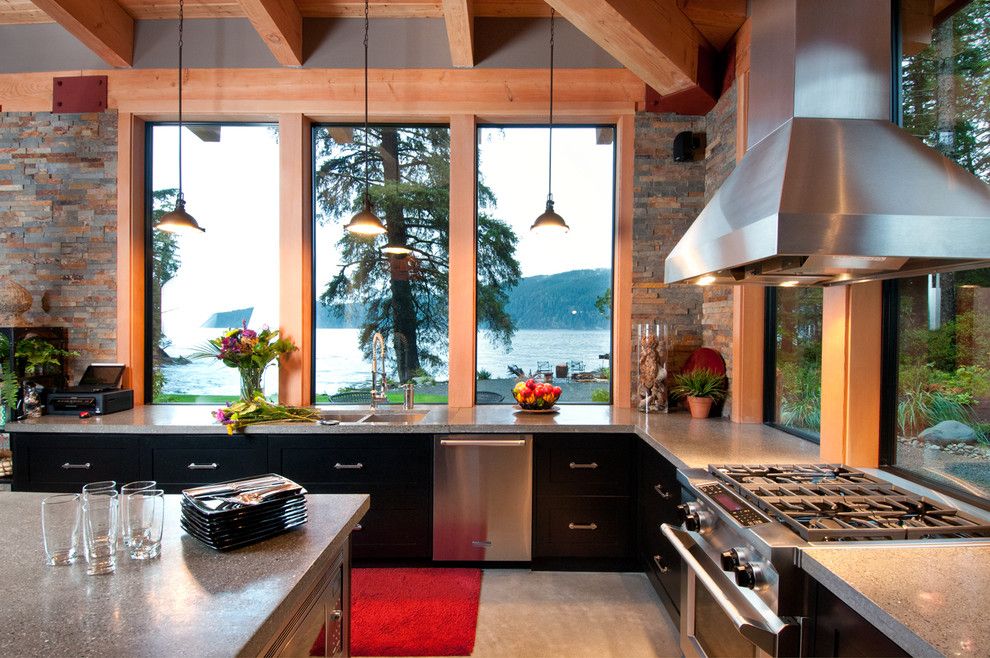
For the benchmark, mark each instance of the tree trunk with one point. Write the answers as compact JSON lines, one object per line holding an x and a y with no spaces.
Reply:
{"x":945,"y":96}
{"x":404,"y":324}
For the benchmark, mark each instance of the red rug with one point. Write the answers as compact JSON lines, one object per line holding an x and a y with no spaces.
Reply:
{"x":414,"y":612}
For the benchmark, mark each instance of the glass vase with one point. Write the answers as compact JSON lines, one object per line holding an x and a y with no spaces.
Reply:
{"x":251,"y":382}
{"x":651,"y":367}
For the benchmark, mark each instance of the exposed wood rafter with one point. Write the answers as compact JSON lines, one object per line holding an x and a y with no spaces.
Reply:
{"x":654,"y":40}
{"x":459,"y":17}
{"x":279,"y":24}
{"x":102,"y":25}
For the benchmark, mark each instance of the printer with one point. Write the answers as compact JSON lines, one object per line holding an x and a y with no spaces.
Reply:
{"x":98,"y":393}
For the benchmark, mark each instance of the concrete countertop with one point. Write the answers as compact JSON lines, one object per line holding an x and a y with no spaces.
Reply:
{"x":192,"y":601}
{"x":927,"y":599}
{"x":686,"y":442}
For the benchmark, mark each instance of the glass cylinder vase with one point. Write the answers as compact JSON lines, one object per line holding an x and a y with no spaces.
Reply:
{"x":251,"y":382}
{"x":651,"y":367}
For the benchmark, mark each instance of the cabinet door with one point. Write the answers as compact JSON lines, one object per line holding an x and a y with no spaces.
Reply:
{"x":659,"y":495}
{"x":65,"y":462}
{"x":183,"y":461}
{"x":320,"y":628}
{"x":582,"y":526}
{"x":838,"y":630}
{"x":583,"y":465}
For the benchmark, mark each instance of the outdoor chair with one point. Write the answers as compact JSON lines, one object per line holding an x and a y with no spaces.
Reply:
{"x":487,"y":397}
{"x":353,"y":397}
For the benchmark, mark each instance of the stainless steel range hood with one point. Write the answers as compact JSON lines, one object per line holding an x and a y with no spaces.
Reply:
{"x":831,"y":191}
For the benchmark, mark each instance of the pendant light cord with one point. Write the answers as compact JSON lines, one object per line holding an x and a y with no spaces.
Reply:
{"x":550,"y":158}
{"x":367,"y":150}
{"x":181,"y":21}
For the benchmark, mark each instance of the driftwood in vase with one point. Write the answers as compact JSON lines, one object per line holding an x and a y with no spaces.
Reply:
{"x":652,"y":379}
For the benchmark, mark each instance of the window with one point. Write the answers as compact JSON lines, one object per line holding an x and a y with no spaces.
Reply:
{"x":936,"y":418}
{"x":360,"y":289}
{"x":794,"y":360}
{"x":201,"y":285}
{"x":544,"y":301}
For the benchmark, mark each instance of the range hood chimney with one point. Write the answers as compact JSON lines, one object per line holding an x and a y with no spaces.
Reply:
{"x":830,"y":190}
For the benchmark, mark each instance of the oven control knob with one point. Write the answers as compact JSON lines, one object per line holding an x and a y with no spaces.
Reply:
{"x":691,"y":516}
{"x":747,"y":576}
{"x":730,"y":559}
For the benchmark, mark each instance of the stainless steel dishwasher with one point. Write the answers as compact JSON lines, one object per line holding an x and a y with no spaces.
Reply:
{"x":483,"y":497}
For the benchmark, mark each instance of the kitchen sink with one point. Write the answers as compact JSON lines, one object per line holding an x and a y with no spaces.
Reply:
{"x":369,"y":416}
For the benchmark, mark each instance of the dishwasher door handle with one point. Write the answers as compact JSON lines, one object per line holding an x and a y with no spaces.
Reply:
{"x":483,"y":443}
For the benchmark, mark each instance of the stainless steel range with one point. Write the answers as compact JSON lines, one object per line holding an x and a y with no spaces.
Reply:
{"x":744,"y":594}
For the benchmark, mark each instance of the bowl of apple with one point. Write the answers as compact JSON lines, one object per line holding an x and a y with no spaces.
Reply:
{"x":536,"y":397}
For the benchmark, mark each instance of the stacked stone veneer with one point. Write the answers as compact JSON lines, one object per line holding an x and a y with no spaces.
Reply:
{"x":58,"y":224}
{"x":668,"y":196}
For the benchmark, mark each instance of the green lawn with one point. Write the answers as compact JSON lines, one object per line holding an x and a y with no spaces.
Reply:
{"x":393,"y":398}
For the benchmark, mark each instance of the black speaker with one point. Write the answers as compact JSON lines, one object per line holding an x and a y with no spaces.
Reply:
{"x":689,"y":146}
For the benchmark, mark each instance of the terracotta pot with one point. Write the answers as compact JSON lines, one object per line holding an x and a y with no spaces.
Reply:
{"x":700,"y":407}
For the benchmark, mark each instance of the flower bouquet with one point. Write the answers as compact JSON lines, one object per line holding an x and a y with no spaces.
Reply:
{"x":250,"y":352}
{"x":238,"y":415}
{"x":532,"y":396}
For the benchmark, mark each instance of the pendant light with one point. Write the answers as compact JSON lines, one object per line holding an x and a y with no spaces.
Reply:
{"x":549,"y":221}
{"x":366,"y":222}
{"x":179,"y":221}
{"x":396,"y":249}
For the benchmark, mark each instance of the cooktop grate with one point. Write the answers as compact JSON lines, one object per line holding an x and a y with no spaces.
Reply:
{"x":831,"y":502}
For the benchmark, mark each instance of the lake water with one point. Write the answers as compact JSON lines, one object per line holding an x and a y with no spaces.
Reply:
{"x":339,"y":361}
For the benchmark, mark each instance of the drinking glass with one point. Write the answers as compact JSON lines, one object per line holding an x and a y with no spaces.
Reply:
{"x":100,"y":531}
{"x":60,"y":528}
{"x":96,"y":487}
{"x":125,"y":492}
{"x":143,"y":523}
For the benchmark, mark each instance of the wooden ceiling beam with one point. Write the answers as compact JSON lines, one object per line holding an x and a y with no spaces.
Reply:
{"x":654,"y":40}
{"x":102,"y":25}
{"x":279,"y":24}
{"x":459,"y":17}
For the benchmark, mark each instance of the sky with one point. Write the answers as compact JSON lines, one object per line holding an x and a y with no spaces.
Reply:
{"x":231,"y":188}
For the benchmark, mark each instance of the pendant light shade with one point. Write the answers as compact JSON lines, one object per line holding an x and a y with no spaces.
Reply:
{"x":396,"y":249}
{"x":550,"y":221}
{"x":366,"y":222}
{"x":179,"y":221}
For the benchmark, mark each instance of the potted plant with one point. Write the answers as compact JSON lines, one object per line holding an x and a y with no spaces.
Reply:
{"x":702,"y":388}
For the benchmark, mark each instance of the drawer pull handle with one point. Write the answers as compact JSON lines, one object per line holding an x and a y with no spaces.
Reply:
{"x":67,"y":466}
{"x":592,"y":465}
{"x":358,"y":527}
{"x":203,"y":467}
{"x":336,"y":615}
{"x":582,"y":526}
{"x":661,"y":567}
{"x":482,"y":543}
{"x":348,"y":467}
{"x":663,"y":492}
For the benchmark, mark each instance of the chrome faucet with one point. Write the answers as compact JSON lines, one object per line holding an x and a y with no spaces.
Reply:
{"x":376,"y":394}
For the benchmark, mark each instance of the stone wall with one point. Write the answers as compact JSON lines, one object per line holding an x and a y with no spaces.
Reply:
{"x":58,"y":224}
{"x":668,"y":196}
{"x":716,"y":310}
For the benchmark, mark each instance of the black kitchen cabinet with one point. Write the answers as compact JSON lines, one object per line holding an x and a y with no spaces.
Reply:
{"x":658,"y":495}
{"x":65,"y":462}
{"x":396,"y":470}
{"x":583,"y":506}
{"x":180,"y":462}
{"x":833,"y":629}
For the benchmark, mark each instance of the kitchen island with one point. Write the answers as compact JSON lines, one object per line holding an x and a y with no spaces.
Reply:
{"x":192,"y":601}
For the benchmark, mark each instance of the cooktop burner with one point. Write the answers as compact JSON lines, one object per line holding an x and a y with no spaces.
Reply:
{"x":831,"y":502}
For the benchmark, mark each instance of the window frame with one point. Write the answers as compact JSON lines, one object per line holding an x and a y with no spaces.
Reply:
{"x":314,"y":306}
{"x":149,"y":232}
{"x":612,"y":243}
{"x":890,"y":325}
{"x":770,"y":371}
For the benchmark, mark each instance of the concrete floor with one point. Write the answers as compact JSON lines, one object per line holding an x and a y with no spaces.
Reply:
{"x":545,"y":614}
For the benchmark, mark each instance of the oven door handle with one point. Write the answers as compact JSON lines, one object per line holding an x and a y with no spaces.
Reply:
{"x":761,"y":628}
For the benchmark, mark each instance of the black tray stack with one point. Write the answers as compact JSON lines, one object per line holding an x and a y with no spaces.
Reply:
{"x":221,"y":517}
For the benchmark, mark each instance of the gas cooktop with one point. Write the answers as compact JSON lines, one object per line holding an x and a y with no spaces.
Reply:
{"x":831,"y":502}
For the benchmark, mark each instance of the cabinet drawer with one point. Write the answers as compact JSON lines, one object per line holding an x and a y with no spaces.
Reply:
{"x":583,"y":466}
{"x":357,"y":465}
{"x":75,"y":466}
{"x":393,"y":533}
{"x":583,"y":526}
{"x":181,"y":467}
